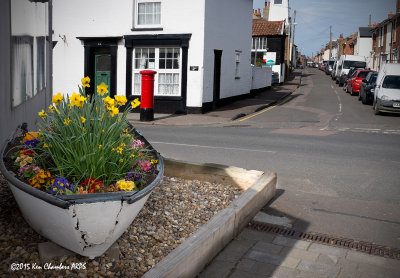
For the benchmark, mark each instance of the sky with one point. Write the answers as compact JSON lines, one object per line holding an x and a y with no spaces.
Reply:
{"x":313,"y":18}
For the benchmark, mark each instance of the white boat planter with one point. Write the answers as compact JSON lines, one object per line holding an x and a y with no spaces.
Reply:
{"x":87,"y":224}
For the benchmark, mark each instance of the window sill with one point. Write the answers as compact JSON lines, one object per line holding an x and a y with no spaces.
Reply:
{"x":148,"y":29}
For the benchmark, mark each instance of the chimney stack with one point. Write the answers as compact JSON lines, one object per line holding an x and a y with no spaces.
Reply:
{"x":266,"y":11}
{"x":390,"y":15}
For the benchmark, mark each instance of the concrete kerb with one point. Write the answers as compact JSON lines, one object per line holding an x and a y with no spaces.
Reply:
{"x":189,"y":258}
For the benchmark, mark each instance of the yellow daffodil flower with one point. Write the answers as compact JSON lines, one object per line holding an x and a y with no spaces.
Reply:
{"x":57,"y":99}
{"x":121,"y":160}
{"x":100,"y":146}
{"x":67,"y":121}
{"x":102,"y":131}
{"x":85,"y":81}
{"x":121,"y":100}
{"x":113,"y":111}
{"x":42,"y":114}
{"x":83,"y":120}
{"x":77,"y":100}
{"x":135,"y":103}
{"x":102,"y":89}
{"x":45,"y":145}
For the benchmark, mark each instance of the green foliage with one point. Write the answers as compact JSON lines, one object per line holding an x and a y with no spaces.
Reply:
{"x":84,"y":137}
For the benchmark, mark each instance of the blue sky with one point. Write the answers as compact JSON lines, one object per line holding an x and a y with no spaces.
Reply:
{"x":313,"y":18}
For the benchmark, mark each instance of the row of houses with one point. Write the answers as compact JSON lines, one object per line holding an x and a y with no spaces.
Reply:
{"x":378,"y":43}
{"x":202,"y":57}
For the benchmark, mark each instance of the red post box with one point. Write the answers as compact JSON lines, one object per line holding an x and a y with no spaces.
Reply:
{"x":147,"y":101}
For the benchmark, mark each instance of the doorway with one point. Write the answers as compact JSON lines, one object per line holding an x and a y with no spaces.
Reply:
{"x":217,"y":78}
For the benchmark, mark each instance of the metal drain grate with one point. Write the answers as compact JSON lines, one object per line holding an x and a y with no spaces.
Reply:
{"x":365,"y":247}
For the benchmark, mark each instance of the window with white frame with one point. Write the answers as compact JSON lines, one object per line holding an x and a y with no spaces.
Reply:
{"x":237,"y":64}
{"x":259,"y":43}
{"x":381,"y":37}
{"x":166,"y":61}
{"x":147,"y":13}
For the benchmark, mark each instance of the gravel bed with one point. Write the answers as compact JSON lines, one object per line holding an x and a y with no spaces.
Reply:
{"x":173,"y":212}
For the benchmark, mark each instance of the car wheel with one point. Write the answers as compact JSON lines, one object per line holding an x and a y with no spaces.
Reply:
{"x":363,"y":99}
{"x":375,"y":107}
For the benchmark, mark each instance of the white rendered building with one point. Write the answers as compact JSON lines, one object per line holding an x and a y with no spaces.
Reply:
{"x":202,"y":58}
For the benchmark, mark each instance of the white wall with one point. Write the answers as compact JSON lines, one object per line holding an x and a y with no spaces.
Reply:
{"x":228,"y":26}
{"x":75,"y":18}
{"x":278,"y":12}
{"x":364,"y":48}
{"x":262,"y":77}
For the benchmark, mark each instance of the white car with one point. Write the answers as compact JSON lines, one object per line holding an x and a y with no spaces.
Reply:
{"x":387,"y":90}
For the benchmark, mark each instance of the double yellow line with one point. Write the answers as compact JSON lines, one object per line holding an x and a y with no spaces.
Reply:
{"x":283,"y":101}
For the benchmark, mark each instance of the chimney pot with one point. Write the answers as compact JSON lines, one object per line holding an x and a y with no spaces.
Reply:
{"x":259,"y":11}
{"x":390,"y":15}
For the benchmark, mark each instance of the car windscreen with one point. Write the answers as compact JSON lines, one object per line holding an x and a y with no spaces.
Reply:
{"x":331,"y":63}
{"x":362,"y":74}
{"x":391,"y":82}
{"x":373,"y":78}
{"x":354,"y":64}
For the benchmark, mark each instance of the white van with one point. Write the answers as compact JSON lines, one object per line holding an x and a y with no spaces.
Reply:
{"x":387,"y":90}
{"x":345,"y":63}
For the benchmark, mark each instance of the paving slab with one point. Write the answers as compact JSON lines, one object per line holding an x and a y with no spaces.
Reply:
{"x":290,"y":242}
{"x":274,"y":259}
{"x":320,"y":268}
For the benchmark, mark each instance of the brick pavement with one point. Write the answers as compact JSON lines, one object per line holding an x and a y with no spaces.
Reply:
{"x":258,"y":254}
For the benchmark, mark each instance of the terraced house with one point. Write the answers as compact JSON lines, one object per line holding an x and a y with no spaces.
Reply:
{"x":201,"y":56}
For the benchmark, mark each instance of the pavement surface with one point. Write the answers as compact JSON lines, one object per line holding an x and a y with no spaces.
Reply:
{"x":259,"y":254}
{"x":255,"y":254}
{"x":229,"y":113}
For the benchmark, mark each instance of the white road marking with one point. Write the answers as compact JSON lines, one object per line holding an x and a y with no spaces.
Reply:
{"x":212,"y":147}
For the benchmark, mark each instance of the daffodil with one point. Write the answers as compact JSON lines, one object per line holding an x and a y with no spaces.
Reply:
{"x":113,"y":111}
{"x":102,"y":131}
{"x":77,"y":100}
{"x":45,"y":145}
{"x":121,"y":100}
{"x":57,"y":99}
{"x":83,"y":120}
{"x":85,"y":81}
{"x":108,"y":102}
{"x":100,"y":146}
{"x":102,"y":89}
{"x":67,"y":121}
{"x":42,"y":114}
{"x":135,"y":103}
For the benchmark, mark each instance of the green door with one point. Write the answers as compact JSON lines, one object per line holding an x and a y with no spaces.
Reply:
{"x":102,"y":71}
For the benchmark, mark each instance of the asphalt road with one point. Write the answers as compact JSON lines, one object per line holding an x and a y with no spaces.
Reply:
{"x":338,"y":164}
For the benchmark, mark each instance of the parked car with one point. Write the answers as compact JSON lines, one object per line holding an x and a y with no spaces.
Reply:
{"x":333,"y":72}
{"x":354,"y":83}
{"x":329,"y":66}
{"x":368,"y":88}
{"x":345,"y":63}
{"x":347,"y":77}
{"x":387,"y":90}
